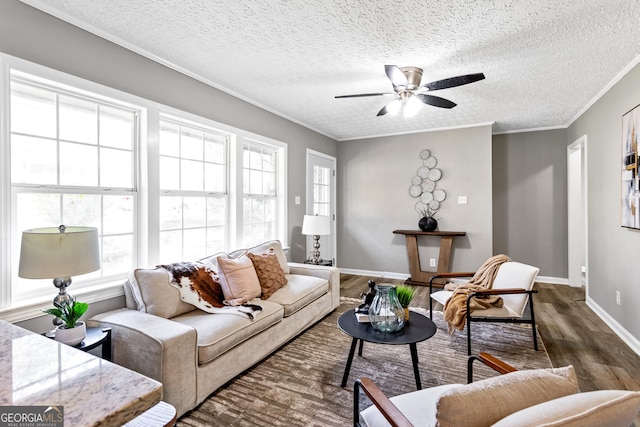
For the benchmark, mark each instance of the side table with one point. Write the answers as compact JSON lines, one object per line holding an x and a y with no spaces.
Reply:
{"x":325,"y":262}
{"x":96,"y":337}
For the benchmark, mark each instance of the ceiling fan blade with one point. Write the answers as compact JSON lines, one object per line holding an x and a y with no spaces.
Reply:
{"x":396,"y":75}
{"x":454,"y":81}
{"x":436,"y":101}
{"x":359,"y":95}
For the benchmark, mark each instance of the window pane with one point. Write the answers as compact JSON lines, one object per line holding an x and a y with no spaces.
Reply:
{"x":169,"y":140}
{"x":214,"y":149}
{"x":116,"y":128}
{"x":118,"y":214}
{"x":33,"y":110}
{"x":191,"y":175}
{"x":255,"y":158}
{"x":78,"y":120}
{"x":269,"y":185}
{"x":36,"y":210}
{"x":215,"y":240}
{"x":171,"y":246}
{"x":269,"y":162}
{"x":214,"y":179}
{"x":169,"y":173}
{"x":115,"y":168}
{"x":195,"y":212}
{"x":117,"y":254}
{"x":170,"y":213}
{"x":33,"y":160}
{"x":255,"y":182}
{"x":194,"y":244}
{"x":191,"y":145}
{"x":78,"y":165}
{"x":216,"y":211}
{"x":81,"y":209}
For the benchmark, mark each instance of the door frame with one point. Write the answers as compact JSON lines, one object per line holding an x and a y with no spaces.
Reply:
{"x":577,"y":213}
{"x":309,"y":199}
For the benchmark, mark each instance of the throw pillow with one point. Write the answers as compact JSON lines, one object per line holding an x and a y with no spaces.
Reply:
{"x":591,"y":409}
{"x":151,"y":290}
{"x":269,"y":271}
{"x":198,"y":285}
{"x":485,"y":402}
{"x":238,"y":278}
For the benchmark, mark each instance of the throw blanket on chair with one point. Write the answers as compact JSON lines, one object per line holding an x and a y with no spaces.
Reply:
{"x":200,"y":286}
{"x":455,"y":310}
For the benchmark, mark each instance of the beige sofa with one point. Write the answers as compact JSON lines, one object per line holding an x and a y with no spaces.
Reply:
{"x":193,"y":352}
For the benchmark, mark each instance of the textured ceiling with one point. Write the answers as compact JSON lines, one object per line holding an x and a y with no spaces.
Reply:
{"x":544,"y":60}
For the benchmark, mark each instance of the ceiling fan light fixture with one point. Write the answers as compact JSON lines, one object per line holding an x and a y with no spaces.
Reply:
{"x":411,"y":106}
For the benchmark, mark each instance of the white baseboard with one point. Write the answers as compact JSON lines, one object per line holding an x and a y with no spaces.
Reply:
{"x":552,"y":280}
{"x":372,"y":273}
{"x":617,"y":328}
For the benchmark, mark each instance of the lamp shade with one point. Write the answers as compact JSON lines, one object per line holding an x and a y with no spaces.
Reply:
{"x":54,"y":252}
{"x":316,"y":225}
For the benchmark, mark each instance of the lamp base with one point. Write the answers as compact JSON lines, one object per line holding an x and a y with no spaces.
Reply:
{"x":314,"y":255}
{"x":63,"y":298}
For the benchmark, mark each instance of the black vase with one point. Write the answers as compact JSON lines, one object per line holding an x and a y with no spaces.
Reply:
{"x":428,"y":223}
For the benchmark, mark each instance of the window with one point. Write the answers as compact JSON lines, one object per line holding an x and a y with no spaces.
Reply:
{"x":321,"y":190}
{"x":259,"y":201}
{"x":193,"y":185}
{"x":72,"y":163}
{"x":160,"y":185}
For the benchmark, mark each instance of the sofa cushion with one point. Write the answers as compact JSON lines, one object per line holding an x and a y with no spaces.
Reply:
{"x":263,"y":247}
{"x":487,"y":401}
{"x":611,"y":408}
{"x":217,"y":333}
{"x":300,"y":291}
{"x":269,"y":271}
{"x":154,"y":295}
{"x":238,"y":278}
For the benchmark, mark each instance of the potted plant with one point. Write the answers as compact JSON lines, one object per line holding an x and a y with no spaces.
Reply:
{"x":427,"y":220}
{"x":405,"y":294}
{"x":71,"y":331}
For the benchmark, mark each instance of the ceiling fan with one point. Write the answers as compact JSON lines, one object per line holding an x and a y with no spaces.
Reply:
{"x":411,"y":95}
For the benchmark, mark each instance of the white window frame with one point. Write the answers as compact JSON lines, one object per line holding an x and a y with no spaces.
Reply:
{"x":146,"y":224}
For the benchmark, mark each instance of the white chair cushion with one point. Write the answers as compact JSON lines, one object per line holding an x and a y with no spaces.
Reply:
{"x":418,"y":406}
{"x":515,"y":275}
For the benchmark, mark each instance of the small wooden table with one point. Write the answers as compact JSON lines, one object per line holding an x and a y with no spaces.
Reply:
{"x":420,"y":277}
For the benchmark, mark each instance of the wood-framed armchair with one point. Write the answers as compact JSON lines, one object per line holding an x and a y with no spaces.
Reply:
{"x":515,"y":399}
{"x":513,"y":283}
{"x":392,"y":413}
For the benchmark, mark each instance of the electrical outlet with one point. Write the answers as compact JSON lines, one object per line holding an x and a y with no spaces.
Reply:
{"x":618,"y":297}
{"x":462,"y":200}
{"x":432,"y":262}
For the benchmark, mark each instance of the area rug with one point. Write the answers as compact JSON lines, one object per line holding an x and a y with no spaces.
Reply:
{"x":299,"y":385}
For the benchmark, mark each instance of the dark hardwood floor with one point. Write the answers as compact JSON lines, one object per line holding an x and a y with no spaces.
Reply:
{"x":571,"y":332}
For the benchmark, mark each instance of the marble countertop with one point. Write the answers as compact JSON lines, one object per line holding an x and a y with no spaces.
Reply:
{"x":35,"y":370}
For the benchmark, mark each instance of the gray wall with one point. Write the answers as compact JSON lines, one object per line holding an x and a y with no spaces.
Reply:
{"x":530,"y":199}
{"x":613,"y":251}
{"x":29,"y":34}
{"x":374,"y":176}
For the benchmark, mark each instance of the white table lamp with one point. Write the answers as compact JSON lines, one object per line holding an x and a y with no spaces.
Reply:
{"x":316,"y":226}
{"x":58,"y":253}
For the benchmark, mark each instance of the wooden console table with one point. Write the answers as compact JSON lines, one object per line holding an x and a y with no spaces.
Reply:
{"x":420,"y":277}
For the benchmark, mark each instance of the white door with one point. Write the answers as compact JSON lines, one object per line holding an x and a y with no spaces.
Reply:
{"x":321,"y":199}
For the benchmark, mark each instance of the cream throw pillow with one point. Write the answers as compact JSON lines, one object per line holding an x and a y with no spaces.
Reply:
{"x":485,"y":402}
{"x":611,"y":408}
{"x":238,"y":278}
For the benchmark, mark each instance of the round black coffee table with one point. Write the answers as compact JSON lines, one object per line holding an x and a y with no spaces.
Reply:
{"x":418,"y":329}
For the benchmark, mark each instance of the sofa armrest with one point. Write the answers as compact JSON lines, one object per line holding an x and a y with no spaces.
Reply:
{"x":331,"y":274}
{"x":156,"y":347}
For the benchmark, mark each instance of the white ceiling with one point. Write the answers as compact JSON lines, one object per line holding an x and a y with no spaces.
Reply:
{"x":545,"y":61}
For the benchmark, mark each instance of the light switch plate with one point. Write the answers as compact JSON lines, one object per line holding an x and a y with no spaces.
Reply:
{"x":297,"y":200}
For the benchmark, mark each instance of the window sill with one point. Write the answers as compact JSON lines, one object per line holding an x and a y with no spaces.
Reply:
{"x":26,"y":310}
